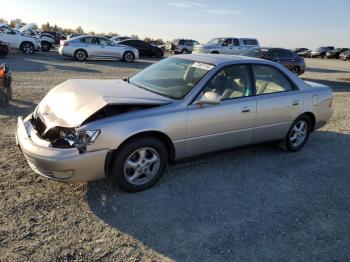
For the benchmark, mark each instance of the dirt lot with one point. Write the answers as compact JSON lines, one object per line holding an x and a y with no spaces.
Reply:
{"x":251,"y":204}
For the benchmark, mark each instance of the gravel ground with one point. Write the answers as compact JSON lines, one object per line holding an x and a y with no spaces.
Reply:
{"x":250,"y":204}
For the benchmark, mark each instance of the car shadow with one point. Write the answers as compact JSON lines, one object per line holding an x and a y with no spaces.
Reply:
{"x":323,"y":70}
{"x":337,"y":86}
{"x":254,"y":203}
{"x":17,"y":108}
{"x":41,"y":62}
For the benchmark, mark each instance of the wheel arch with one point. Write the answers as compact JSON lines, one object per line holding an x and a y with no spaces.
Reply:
{"x":312,"y":118}
{"x":82,"y":49}
{"x":165,"y":139}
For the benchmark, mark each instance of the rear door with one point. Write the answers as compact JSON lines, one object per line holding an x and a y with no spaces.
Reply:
{"x":279,"y":102}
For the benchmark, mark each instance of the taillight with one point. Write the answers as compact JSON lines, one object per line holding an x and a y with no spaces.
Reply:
{"x":66,"y":44}
{"x":2,"y":72}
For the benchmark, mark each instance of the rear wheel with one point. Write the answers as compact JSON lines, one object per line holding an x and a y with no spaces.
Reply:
{"x":80,"y":55}
{"x":159,"y":54}
{"x":139,"y":164}
{"x":45,"y":46}
{"x":128,"y":56}
{"x":215,"y":52}
{"x":296,"y":70}
{"x":27,"y":48}
{"x":297,"y":135}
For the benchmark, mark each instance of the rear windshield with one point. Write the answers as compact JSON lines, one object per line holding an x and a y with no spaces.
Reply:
{"x":255,"y":52}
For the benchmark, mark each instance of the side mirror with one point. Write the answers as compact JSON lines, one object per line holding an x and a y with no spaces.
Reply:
{"x":210,"y":98}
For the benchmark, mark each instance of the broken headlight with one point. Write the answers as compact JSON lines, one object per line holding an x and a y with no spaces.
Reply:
{"x":79,"y":138}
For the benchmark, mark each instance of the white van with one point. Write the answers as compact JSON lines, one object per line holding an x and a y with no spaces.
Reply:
{"x":226,"y":45}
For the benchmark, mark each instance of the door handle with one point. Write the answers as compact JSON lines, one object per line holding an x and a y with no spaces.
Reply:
{"x":245,"y":109}
{"x":295,"y":102}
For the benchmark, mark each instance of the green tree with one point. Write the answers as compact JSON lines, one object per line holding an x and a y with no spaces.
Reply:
{"x":14,"y":22}
{"x":79,"y":30}
{"x":3,"y":21}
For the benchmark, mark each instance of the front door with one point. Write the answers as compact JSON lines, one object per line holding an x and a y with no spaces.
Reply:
{"x":278,"y":103}
{"x":227,"y":124}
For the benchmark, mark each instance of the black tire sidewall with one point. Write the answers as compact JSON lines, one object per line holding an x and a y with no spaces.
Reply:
{"x":116,"y":172}
{"x":287,"y":142}
{"x":45,"y":46}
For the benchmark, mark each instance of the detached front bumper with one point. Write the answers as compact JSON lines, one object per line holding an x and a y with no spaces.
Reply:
{"x":67,"y":165}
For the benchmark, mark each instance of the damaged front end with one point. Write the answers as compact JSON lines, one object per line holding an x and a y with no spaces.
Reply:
{"x":62,"y":137}
{"x":79,"y":137}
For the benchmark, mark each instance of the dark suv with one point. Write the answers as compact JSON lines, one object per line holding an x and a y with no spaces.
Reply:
{"x":183,"y":46}
{"x":283,"y":56}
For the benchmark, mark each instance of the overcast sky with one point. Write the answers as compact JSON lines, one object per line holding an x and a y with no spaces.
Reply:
{"x":296,"y":23}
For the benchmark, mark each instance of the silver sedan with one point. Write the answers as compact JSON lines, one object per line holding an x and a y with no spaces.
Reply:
{"x":90,"y":46}
{"x":129,"y":130}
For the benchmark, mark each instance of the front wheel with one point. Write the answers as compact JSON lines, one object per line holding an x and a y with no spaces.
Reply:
{"x":128,"y":56}
{"x":139,"y":164}
{"x":159,"y":54}
{"x":297,"y":135}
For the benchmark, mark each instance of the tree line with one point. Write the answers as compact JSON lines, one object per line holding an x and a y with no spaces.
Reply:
{"x":68,"y":31}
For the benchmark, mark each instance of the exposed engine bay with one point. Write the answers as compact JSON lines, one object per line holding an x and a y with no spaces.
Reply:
{"x":63,"y":137}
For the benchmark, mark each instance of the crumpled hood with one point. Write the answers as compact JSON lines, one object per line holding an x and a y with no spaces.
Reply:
{"x":72,"y":102}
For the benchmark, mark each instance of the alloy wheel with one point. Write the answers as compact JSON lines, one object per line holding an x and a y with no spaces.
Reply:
{"x":128,"y":57}
{"x":299,"y":133}
{"x":80,"y":55}
{"x":142,"y":166}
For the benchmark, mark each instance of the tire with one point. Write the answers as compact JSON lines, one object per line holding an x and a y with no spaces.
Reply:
{"x":159,"y":54}
{"x":129,"y":169}
{"x":128,"y":56}
{"x":80,"y":55}
{"x":184,"y":51}
{"x":27,"y":48}
{"x":215,"y":52}
{"x":296,"y":70}
{"x":297,"y":136}
{"x":45,"y":46}
{"x":322,"y":55}
{"x":4,"y":100}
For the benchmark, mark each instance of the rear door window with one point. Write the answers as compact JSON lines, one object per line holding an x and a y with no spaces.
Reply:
{"x":236,"y":42}
{"x":250,"y":42}
{"x":270,"y":80}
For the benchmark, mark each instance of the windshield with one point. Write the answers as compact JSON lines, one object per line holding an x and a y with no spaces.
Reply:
{"x":255,"y":52}
{"x":172,"y":77}
{"x":217,"y":41}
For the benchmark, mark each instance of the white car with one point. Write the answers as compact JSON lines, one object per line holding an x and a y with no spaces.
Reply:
{"x":17,"y":40}
{"x":227,"y":45}
{"x":46,"y":40}
{"x":91,"y":46}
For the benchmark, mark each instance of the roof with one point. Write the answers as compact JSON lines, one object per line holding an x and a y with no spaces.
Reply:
{"x":217,"y":59}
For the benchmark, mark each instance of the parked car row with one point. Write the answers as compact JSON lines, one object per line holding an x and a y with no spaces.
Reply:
{"x":327,"y":52}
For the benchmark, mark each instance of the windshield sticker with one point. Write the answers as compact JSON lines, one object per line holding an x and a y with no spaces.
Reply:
{"x":202,"y":66}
